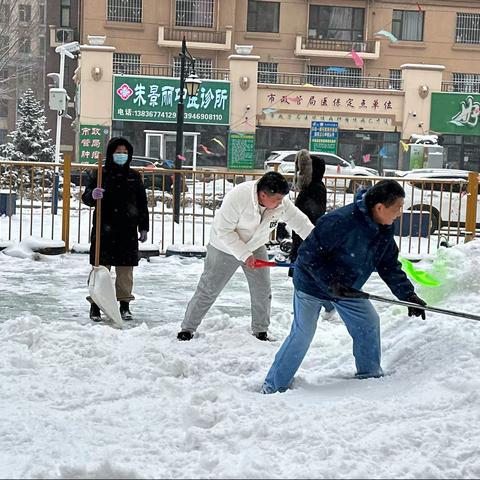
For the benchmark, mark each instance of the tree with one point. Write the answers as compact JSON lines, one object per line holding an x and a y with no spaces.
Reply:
{"x":30,"y":142}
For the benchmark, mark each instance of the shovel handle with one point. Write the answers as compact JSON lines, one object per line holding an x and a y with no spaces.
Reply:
{"x":98,"y":212}
{"x":259,"y":263}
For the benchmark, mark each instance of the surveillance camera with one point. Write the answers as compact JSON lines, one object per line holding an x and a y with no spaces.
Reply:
{"x":72,"y":47}
{"x":248,"y":107}
{"x":414,"y":114}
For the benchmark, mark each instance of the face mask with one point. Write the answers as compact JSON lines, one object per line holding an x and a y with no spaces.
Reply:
{"x":120,"y":158}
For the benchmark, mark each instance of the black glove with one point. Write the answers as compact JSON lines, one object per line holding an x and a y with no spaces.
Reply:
{"x":344,"y":291}
{"x":416,"y":312}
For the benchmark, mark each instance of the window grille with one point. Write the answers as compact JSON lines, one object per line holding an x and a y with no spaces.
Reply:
{"x":194,"y":13}
{"x":408,"y":25}
{"x":466,"y":82}
{"x":395,"y":79}
{"x":267,"y":72}
{"x":468,"y":28}
{"x":124,"y":11}
{"x":126,"y":63}
{"x":330,"y":77}
{"x":203,"y":67}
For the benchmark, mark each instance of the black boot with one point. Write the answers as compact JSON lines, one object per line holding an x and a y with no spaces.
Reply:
{"x":95,"y":313}
{"x":185,"y":335}
{"x":125,"y":311}
{"x":262,"y":336}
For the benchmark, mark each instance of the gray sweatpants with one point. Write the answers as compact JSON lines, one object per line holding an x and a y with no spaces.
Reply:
{"x":219,"y":268}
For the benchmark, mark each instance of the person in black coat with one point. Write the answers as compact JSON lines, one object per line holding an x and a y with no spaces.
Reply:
{"x":124,"y":220}
{"x":311,"y":200}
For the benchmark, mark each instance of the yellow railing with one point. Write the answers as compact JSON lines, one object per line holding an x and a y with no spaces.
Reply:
{"x":435,"y":210}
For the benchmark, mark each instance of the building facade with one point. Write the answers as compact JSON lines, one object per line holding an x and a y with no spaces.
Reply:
{"x":342,"y":61}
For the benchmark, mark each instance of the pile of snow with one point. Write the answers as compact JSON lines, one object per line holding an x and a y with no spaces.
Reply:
{"x":88,"y":401}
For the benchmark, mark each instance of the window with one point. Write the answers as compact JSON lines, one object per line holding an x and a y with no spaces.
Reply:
{"x":466,"y":82}
{"x":4,"y":42}
{"x":336,"y":23}
{"x":41,"y":14}
{"x":395,"y":79}
{"x":3,"y":108}
{"x":329,"y":77}
{"x":468,"y":28}
{"x":25,"y":46}
{"x":263,"y":16}
{"x":65,"y":13}
{"x":194,"y":13}
{"x":41,"y":45}
{"x":124,"y":11}
{"x":4,"y":12}
{"x":203,"y":67}
{"x":408,"y":25}
{"x":126,"y":63}
{"x":3,"y":135}
{"x":24,"y":13}
{"x":267,"y":72}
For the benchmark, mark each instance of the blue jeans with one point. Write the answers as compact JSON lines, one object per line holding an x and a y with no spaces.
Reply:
{"x":363,"y":325}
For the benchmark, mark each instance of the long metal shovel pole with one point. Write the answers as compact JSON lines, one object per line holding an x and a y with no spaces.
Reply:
{"x":416,"y":305}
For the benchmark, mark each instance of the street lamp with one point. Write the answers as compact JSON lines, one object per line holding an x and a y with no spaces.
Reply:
{"x":191,"y":83}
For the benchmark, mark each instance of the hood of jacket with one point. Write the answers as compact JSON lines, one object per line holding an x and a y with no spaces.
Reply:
{"x":308,"y":169}
{"x":111,"y":147}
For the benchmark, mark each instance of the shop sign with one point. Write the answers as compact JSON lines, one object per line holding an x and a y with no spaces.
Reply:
{"x":455,"y":113}
{"x":241,"y":151}
{"x":324,"y":137}
{"x":92,"y":142}
{"x":155,"y":99}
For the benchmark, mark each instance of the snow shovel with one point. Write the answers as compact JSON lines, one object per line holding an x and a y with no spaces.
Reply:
{"x":100,"y":284}
{"x":259,"y":263}
{"x":418,"y":276}
{"x":359,"y":294}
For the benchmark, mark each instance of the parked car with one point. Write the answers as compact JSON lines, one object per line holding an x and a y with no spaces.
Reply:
{"x":448,"y":201}
{"x":161,"y":180}
{"x":335,"y":166}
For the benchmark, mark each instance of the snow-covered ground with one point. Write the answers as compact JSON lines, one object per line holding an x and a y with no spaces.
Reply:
{"x":82,"y":400}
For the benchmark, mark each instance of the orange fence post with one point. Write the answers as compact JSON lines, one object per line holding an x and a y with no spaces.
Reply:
{"x":471,"y":216}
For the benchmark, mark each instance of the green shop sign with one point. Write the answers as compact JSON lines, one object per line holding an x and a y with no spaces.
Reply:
{"x":456,"y":113}
{"x":241,"y":151}
{"x":155,"y":99}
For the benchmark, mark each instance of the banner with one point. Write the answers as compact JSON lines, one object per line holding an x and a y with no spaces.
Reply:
{"x":324,"y":137}
{"x":155,"y":99}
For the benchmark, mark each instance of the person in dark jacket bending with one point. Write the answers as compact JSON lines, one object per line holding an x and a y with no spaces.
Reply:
{"x":124,"y":220}
{"x":333,"y":262}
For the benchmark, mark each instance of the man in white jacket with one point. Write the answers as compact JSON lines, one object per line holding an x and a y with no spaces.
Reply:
{"x":240,"y":230}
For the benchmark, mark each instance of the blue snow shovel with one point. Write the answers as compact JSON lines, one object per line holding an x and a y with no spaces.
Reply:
{"x":100,"y":284}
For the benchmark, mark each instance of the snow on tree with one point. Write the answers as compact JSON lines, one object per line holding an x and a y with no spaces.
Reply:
{"x":30,"y":142}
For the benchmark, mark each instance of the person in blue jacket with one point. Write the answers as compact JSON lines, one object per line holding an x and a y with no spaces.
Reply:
{"x":333,"y":263}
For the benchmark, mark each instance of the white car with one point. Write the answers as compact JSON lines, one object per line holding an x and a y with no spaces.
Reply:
{"x":448,"y":201}
{"x":334,"y":166}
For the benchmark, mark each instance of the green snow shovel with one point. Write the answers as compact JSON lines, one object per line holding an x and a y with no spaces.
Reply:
{"x":419,"y":276}
{"x":100,"y":284}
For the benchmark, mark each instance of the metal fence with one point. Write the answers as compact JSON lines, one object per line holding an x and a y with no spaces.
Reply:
{"x":434,"y":212}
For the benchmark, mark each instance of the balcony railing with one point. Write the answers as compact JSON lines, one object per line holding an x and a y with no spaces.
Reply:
{"x":312,"y":47}
{"x":203,"y":36}
{"x":337,"y":81}
{"x":466,"y":87}
{"x":168,"y":71}
{"x":196,"y":38}
{"x":339,"y":45}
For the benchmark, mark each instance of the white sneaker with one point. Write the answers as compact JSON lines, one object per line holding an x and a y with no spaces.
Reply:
{"x":330,"y":316}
